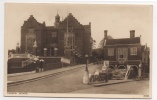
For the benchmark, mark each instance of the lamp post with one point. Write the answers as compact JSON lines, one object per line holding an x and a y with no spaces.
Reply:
{"x":91,"y":58}
{"x":86,"y":56}
{"x":139,"y":70}
{"x":86,"y":72}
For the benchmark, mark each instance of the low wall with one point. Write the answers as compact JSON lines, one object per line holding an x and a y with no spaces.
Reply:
{"x":49,"y":66}
{"x":51,"y":59}
{"x":27,"y":68}
{"x":16,"y":62}
{"x":15,"y":65}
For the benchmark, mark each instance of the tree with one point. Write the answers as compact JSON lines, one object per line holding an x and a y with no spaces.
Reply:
{"x":93,"y":43}
{"x":101,"y":44}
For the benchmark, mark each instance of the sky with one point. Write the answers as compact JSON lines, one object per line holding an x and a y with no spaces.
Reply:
{"x":117,"y":19}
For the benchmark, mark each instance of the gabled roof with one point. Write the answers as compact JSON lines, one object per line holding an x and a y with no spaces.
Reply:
{"x":123,"y":41}
{"x":32,"y":22}
{"x":72,"y":21}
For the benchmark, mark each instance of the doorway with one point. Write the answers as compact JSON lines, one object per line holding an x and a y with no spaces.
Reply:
{"x":135,"y":68}
{"x":51,"y":51}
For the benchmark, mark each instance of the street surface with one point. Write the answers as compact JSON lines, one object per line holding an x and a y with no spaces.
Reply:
{"x":72,"y":82}
{"x":134,"y":87}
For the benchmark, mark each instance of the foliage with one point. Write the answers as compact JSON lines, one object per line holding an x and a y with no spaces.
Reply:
{"x":93,"y":43}
{"x":101,"y":43}
{"x":99,"y":53}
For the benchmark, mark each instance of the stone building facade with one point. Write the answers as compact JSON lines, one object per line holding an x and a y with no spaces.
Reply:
{"x":66,"y":38}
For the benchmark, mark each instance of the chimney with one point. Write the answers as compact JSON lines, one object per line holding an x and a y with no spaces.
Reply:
{"x":105,"y":34}
{"x":132,"y":33}
{"x":89,"y":23}
{"x":90,"y":26}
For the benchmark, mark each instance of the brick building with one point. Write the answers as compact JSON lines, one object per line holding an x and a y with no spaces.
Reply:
{"x":66,"y":38}
{"x":126,"y":51}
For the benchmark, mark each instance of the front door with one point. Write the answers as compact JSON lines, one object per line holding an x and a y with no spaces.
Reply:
{"x":51,"y":51}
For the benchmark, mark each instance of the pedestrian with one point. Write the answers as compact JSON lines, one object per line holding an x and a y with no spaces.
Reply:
{"x":41,"y":64}
{"x":133,"y":74}
{"x":36,"y":67}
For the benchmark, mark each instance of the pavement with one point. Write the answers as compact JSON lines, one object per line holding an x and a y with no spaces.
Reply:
{"x":33,"y":76}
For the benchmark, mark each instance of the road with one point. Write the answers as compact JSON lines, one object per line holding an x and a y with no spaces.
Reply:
{"x":65,"y":82}
{"x":71,"y":82}
{"x":134,"y":87}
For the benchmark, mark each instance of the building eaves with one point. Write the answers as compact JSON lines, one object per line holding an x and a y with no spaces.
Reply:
{"x":135,"y":40}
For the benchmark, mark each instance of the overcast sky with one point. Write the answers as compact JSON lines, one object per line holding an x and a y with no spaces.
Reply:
{"x":117,"y":19}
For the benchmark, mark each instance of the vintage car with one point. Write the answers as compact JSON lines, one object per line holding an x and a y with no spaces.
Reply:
{"x":119,"y":73}
{"x":99,"y":76}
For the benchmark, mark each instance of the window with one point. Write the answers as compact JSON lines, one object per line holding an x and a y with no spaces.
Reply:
{"x":122,"y":52}
{"x":54,"y":34}
{"x":31,"y":33}
{"x":52,"y":37}
{"x":30,"y":43}
{"x":68,"y":39}
{"x":133,"y":51}
{"x":111,"y":52}
{"x":30,"y":38}
{"x":31,"y":30}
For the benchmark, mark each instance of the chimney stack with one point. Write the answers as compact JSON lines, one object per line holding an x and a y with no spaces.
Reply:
{"x":105,"y":34}
{"x":89,"y":23}
{"x":132,"y":33}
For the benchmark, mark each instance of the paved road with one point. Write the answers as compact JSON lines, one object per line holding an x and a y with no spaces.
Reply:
{"x":134,"y":87}
{"x":64,"y":82}
{"x":71,"y":82}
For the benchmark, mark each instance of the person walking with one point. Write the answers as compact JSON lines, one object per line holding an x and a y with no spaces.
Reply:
{"x":42,"y":64}
{"x":36,"y":67}
{"x":133,"y":73}
{"x":40,"y":67}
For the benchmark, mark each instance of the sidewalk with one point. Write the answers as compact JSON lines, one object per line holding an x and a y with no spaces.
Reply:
{"x":32,"y":75}
{"x":22,"y":73}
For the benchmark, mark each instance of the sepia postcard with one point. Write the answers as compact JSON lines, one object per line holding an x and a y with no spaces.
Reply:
{"x":78,"y":50}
